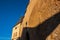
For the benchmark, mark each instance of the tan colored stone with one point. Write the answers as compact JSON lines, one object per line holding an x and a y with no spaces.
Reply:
{"x":37,"y":12}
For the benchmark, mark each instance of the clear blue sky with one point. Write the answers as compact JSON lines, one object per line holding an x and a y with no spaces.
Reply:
{"x":10,"y":11}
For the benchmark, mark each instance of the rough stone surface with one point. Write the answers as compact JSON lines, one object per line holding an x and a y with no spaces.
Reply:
{"x":41,"y":20}
{"x":43,"y":10}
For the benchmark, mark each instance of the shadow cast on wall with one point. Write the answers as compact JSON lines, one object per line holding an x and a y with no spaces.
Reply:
{"x":42,"y":31}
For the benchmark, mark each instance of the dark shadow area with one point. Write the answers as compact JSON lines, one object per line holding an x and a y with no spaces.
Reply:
{"x":25,"y":35}
{"x":42,"y":31}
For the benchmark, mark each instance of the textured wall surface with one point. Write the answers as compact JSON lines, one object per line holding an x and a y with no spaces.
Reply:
{"x":41,"y":21}
{"x":42,"y":11}
{"x":16,"y":31}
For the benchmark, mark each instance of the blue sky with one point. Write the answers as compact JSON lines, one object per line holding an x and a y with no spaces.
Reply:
{"x":10,"y":12}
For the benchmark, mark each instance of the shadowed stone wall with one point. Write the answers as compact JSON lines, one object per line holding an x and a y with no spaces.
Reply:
{"x":42,"y":11}
{"x":41,"y":21}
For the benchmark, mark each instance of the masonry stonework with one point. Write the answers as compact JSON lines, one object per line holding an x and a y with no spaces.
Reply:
{"x":42,"y":20}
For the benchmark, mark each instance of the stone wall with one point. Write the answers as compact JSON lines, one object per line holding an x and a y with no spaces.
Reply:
{"x":43,"y":10}
{"x":41,"y":21}
{"x":45,"y":13}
